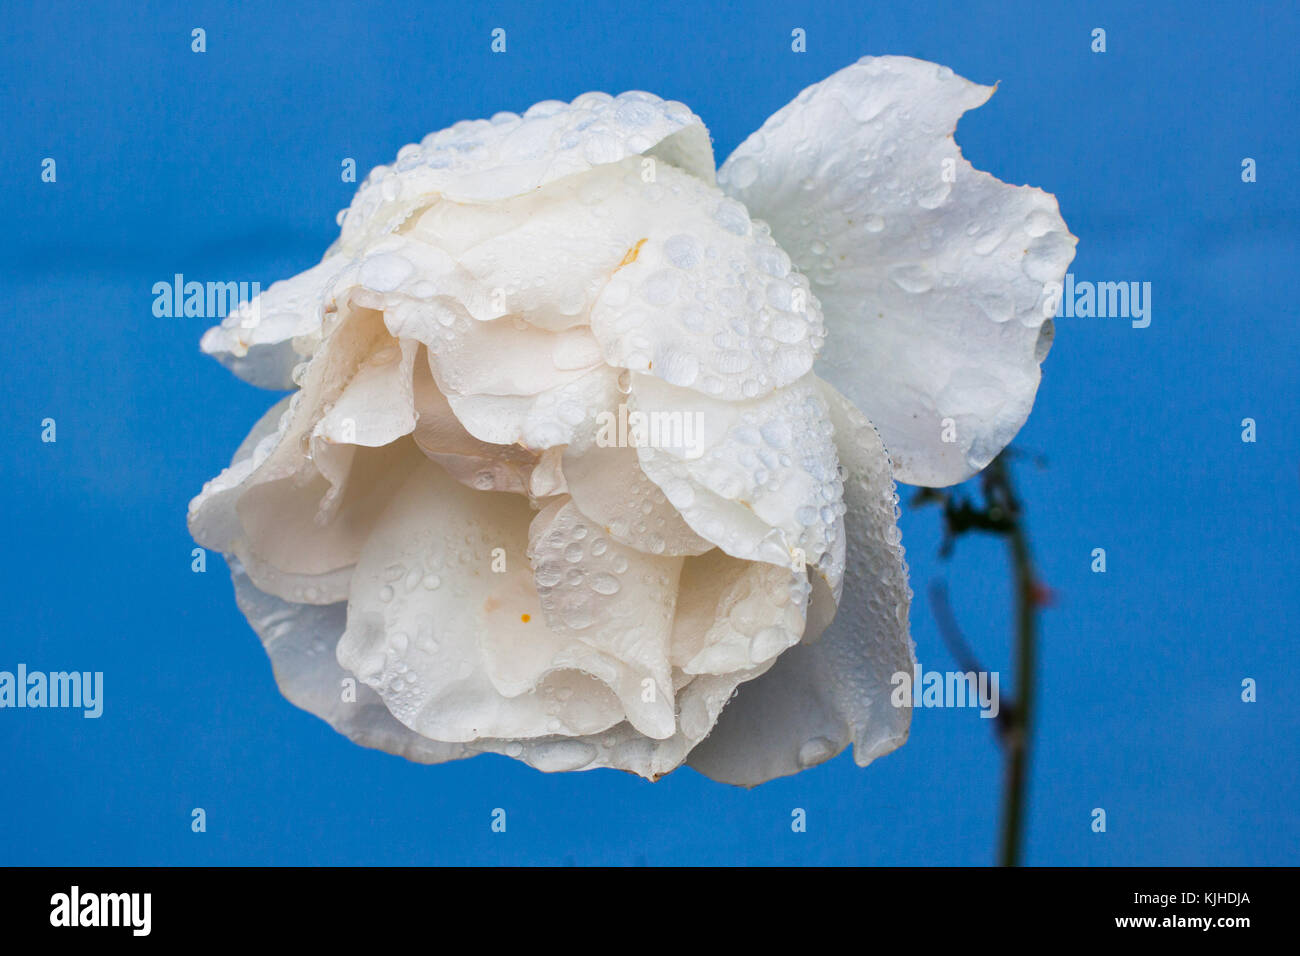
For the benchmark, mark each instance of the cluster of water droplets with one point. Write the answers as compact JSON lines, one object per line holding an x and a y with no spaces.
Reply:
{"x":577,"y":572}
{"x":711,"y":304}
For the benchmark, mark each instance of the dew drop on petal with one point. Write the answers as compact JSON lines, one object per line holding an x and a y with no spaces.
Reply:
{"x":815,"y":751}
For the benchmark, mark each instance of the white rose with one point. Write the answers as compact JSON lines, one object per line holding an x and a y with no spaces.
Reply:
{"x":457,"y":514}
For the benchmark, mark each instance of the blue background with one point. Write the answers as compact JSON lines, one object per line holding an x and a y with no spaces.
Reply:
{"x":225,"y":165}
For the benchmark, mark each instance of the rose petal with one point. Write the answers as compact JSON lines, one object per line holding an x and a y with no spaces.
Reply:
{"x":547,"y":477}
{"x":478,"y":161}
{"x":623,"y":747}
{"x":819,"y":697}
{"x":545,"y":255}
{"x":566,"y":415}
{"x":734,"y":615}
{"x":608,"y":485}
{"x":761,"y":483}
{"x":295,"y":522}
{"x":441,"y":595}
{"x":721,"y":599}
{"x":508,"y":357}
{"x":312,"y":527}
{"x":614,"y":599}
{"x":705,"y":299}
{"x":300,"y":640}
{"x":256,"y":340}
{"x":475,"y":463}
{"x":510,"y":396}
{"x":475,"y":346}
{"x":672,"y":275}
{"x":933,"y":275}
{"x":377,"y":405}
{"x":215,"y":523}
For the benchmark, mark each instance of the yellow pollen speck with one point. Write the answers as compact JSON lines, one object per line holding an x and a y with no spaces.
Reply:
{"x":525,"y":618}
{"x":631,"y":255}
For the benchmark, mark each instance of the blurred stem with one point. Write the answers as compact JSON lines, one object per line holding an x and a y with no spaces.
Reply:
{"x":1019,"y":727}
{"x":999,"y":513}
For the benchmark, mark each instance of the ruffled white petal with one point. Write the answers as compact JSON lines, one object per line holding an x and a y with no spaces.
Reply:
{"x":377,"y":406}
{"x":761,"y":483}
{"x":308,"y":526}
{"x":300,"y":641}
{"x":566,"y":415}
{"x":614,"y":599}
{"x":446,"y":623}
{"x":673,"y":277}
{"x":623,"y":747}
{"x":298,"y":521}
{"x":509,"y":357}
{"x":545,"y":255}
{"x":734,"y":616}
{"x":480,"y":161}
{"x":261,"y":341}
{"x":933,"y":275}
{"x":471,"y":461}
{"x":506,"y":381}
{"x":608,"y":485}
{"x":819,"y":697}
{"x":704,"y":299}
{"x":750,"y":611}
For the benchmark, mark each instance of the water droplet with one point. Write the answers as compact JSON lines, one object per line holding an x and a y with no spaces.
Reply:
{"x":913,"y":277}
{"x":683,"y":251}
{"x":815,"y":751}
{"x":578,"y":617}
{"x":604,"y":584}
{"x":935,"y":197}
{"x":557,"y":756}
{"x":731,"y":216}
{"x":743,"y":172}
{"x":1040,"y":223}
